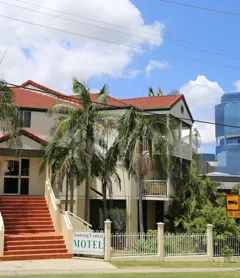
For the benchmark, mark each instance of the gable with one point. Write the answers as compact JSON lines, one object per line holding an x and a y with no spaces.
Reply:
{"x":29,"y":141}
{"x":180,"y":110}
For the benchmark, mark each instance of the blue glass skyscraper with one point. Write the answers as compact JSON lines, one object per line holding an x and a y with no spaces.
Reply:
{"x":228,"y":138}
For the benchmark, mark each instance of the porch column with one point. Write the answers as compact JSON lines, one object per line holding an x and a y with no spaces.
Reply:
{"x":180,"y":139}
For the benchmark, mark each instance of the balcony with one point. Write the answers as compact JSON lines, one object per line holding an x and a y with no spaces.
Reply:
{"x":155,"y":188}
{"x":183,"y":150}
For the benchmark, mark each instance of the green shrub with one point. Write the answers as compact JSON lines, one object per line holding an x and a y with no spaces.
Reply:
{"x":146,"y":243}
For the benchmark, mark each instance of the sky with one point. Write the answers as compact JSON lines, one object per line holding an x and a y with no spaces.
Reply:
{"x":52,"y":58}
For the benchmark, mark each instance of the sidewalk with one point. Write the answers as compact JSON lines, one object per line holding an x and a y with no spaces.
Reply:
{"x":83,"y":266}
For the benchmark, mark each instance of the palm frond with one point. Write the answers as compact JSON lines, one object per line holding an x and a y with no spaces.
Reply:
{"x":150,"y":92}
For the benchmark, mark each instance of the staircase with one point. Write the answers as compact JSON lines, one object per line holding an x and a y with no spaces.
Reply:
{"x":29,"y":230}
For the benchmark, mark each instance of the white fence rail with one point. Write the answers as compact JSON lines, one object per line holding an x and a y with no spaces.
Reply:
{"x":223,"y":245}
{"x":155,"y":188}
{"x":134,"y":244}
{"x":153,"y":245}
{"x":185,"y":244}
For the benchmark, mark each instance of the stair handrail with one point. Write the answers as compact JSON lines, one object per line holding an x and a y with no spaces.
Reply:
{"x":1,"y":235}
{"x":1,"y":223}
{"x":53,"y":198}
{"x":67,"y":218}
{"x":52,"y":195}
{"x":79,"y":219}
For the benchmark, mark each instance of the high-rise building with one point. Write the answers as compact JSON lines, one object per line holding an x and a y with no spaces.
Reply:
{"x":228,"y":138}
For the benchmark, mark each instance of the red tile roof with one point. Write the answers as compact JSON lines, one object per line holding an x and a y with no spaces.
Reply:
{"x":31,"y":99}
{"x":111,"y":100}
{"x":72,"y":98}
{"x":47,"y":99}
{"x":41,"y":87}
{"x":154,"y":102}
{"x":27,"y":134}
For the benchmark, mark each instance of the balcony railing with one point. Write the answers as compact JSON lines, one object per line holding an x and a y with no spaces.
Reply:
{"x":181,"y":149}
{"x":155,"y":188}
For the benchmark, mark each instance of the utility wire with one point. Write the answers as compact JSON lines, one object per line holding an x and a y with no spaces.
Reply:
{"x":74,"y":100}
{"x":4,"y":54}
{"x":116,"y":31}
{"x":127,"y":28}
{"x":124,"y":45}
{"x":201,"y":8}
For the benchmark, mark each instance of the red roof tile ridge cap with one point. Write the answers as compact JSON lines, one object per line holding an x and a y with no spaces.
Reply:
{"x":117,"y":99}
{"x":42,"y":87}
{"x":48,"y":90}
{"x":178,"y":95}
{"x":26,"y":133}
{"x":30,"y":134}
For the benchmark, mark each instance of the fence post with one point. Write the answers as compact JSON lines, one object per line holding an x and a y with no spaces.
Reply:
{"x":210,"y":242}
{"x":160,"y":241}
{"x":107,"y":249}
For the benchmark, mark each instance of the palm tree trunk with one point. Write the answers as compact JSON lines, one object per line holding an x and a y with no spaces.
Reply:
{"x":71,"y":193}
{"x":89,"y":149}
{"x":104,"y":201}
{"x":66,"y":197}
{"x":86,"y":209}
{"x":140,"y":203}
{"x":140,"y":187}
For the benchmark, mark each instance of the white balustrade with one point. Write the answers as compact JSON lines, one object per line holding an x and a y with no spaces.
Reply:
{"x":155,"y":188}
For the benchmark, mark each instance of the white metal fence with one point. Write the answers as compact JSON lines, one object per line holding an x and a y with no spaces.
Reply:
{"x":226,"y":245}
{"x":134,"y":244}
{"x":185,"y":244}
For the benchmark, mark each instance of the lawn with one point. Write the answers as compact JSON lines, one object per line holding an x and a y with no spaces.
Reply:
{"x":149,"y":275}
{"x":176,"y":265}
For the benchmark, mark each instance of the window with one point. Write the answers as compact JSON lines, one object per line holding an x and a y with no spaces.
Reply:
{"x":25,"y":118}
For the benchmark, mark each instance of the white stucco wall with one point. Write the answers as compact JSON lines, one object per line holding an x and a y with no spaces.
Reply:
{"x":36,"y":182}
{"x":41,"y":124}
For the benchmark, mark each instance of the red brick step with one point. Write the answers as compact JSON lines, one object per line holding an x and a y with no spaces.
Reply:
{"x":35,"y":257}
{"x":29,"y":230}
{"x":41,"y":246}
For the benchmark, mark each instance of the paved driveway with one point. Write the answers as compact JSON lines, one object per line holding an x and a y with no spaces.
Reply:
{"x":84,"y":266}
{"x":58,"y":266}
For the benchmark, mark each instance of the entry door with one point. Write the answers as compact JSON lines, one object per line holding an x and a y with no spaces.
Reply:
{"x":16,"y":177}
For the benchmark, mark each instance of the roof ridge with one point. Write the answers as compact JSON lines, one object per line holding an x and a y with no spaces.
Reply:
{"x":31,"y":82}
{"x":117,"y":99}
{"x":49,"y":90}
{"x":28,"y":134}
{"x":177,"y":95}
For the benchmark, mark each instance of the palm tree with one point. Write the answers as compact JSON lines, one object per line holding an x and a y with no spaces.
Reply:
{"x":159,"y":93}
{"x":84,"y":124}
{"x":133,"y":129}
{"x":10,"y":122}
{"x":108,"y":176}
{"x":152,"y":94}
{"x":66,"y":156}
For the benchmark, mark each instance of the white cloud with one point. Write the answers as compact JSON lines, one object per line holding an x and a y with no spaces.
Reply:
{"x":52,"y":57}
{"x":202,"y":95}
{"x":237,"y":85}
{"x":153,"y":65}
